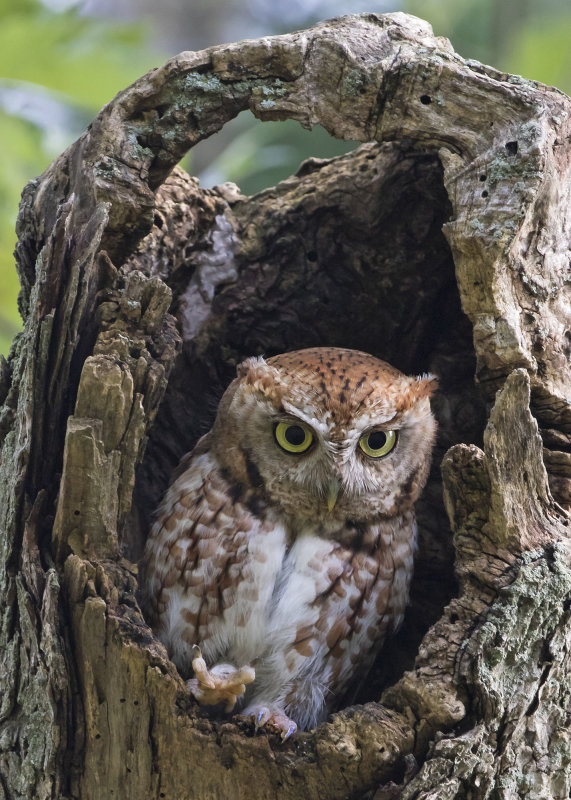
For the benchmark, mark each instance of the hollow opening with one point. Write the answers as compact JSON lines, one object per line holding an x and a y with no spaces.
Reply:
{"x":256,"y":155}
{"x":349,"y":253}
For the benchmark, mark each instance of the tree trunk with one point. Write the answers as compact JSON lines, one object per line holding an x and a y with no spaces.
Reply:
{"x":440,"y":244}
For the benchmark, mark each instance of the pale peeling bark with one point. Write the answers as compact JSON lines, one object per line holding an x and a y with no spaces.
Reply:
{"x":442,"y":244}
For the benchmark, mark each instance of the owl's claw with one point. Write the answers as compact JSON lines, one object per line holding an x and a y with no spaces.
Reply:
{"x":273,"y":721}
{"x":221,"y":684}
{"x":291,"y":729}
{"x":261,"y":719}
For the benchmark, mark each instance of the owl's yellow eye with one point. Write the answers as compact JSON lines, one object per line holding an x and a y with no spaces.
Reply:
{"x":378,"y":443}
{"x":293,"y":438}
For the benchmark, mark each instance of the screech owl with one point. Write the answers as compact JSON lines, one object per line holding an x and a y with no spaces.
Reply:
{"x":282,"y":553}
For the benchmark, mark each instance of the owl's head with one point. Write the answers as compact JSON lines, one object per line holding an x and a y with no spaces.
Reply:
{"x":327,"y":433}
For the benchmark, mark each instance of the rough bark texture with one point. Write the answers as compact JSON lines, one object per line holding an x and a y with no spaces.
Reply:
{"x":441,"y":244}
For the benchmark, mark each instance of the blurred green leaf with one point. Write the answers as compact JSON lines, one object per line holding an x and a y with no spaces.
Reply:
{"x":87,"y":59}
{"x":465,"y":22}
{"x":22,"y":142}
{"x":83,"y":62}
{"x":542,"y":51}
{"x":8,"y":7}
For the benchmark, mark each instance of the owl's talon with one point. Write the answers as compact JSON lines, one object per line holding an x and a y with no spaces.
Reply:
{"x":263,"y":716}
{"x":272,"y":721}
{"x":223,"y":683}
{"x":201,"y":670}
{"x":291,"y":729}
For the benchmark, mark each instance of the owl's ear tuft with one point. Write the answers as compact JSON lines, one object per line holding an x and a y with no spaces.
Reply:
{"x":424,"y":386}
{"x":248,"y":368}
{"x":262,"y":377}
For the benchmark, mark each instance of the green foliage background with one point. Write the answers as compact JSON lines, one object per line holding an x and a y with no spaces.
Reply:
{"x":75,"y":64}
{"x":58,"y":68}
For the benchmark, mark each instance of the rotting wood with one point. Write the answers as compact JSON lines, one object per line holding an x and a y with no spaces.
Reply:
{"x":475,"y":689}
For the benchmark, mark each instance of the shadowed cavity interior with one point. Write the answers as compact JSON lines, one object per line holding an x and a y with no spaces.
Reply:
{"x":349,"y":253}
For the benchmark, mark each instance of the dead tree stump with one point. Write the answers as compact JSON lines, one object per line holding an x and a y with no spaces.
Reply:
{"x":441,"y":243}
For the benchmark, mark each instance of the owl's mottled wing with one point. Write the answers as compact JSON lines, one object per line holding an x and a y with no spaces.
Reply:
{"x":366,"y":600}
{"x":360,"y":596}
{"x":199,"y":559}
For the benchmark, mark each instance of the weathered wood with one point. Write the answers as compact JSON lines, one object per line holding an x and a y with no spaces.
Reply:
{"x":441,"y":244}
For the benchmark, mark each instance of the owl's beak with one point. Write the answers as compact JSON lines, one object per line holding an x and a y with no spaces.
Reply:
{"x":332,"y":493}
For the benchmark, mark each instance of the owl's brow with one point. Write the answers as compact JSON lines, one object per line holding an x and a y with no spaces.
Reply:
{"x":309,"y":417}
{"x":363,"y":400}
{"x":374,"y":409}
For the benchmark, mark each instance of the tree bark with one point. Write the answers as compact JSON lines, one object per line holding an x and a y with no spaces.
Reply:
{"x":442,"y":243}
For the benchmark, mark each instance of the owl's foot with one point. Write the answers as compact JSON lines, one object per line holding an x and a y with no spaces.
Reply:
{"x":221,"y":684}
{"x":274,"y":721}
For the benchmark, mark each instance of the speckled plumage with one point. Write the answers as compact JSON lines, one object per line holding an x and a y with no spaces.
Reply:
{"x":249,"y":560}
